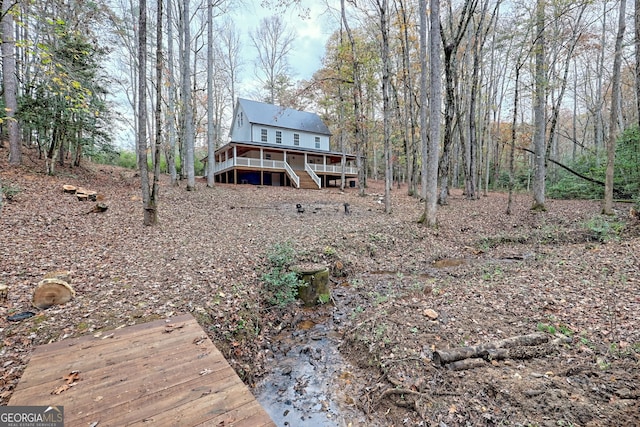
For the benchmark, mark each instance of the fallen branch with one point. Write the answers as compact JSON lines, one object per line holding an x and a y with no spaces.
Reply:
{"x":442,"y":357}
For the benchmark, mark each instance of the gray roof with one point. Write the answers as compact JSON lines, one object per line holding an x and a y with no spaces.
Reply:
{"x":288,"y":118}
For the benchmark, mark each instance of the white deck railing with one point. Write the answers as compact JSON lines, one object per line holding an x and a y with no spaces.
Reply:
{"x":294,"y":177}
{"x":313,"y":175}
{"x":333,"y":169}
{"x":310,"y":168}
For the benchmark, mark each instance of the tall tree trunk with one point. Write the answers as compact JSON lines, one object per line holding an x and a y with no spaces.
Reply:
{"x":607,"y":207}
{"x":171,"y":99}
{"x":409,"y":122}
{"x":424,"y":95}
{"x":152,"y":207}
{"x":357,"y":104}
{"x":637,"y":46}
{"x":211,"y":160}
{"x":450,"y":50}
{"x":142,"y":113}
{"x":386,"y":109}
{"x":187,"y":126}
{"x":539,"y":132}
{"x":435,"y":102}
{"x":512,"y":146}
{"x":10,"y":83}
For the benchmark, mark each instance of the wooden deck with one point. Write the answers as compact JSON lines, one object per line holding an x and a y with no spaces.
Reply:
{"x":159,"y":373}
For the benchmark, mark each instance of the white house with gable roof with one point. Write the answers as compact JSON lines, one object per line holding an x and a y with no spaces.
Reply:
{"x":278,"y":146}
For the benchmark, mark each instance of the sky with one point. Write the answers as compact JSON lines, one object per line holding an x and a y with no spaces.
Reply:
{"x":312,"y":34}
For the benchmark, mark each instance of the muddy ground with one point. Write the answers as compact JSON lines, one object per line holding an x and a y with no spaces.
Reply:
{"x":401,"y":293}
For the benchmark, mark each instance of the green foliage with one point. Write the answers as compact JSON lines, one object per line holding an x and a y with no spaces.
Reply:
{"x":280,"y":285}
{"x":65,"y":105}
{"x":8,"y":192}
{"x":603,"y":228}
{"x":626,"y":174}
{"x":543,"y":327}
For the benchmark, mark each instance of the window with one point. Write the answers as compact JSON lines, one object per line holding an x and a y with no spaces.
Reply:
{"x":317,"y":142}
{"x":263,"y":135}
{"x":296,"y":139}
{"x":267,"y":156}
{"x":278,"y":137}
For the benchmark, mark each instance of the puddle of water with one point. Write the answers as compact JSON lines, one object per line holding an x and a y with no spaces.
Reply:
{"x":307,"y":380}
{"x":449,"y":262}
{"x":306,"y":324}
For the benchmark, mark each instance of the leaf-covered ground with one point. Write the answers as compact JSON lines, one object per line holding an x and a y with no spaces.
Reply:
{"x":486,"y":275}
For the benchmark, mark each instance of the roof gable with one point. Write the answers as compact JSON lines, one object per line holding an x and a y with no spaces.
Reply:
{"x":272,"y":115}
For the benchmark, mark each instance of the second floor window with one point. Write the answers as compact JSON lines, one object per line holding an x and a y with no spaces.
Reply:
{"x":278,"y":137}
{"x":263,"y":135}
{"x":317,"y":142}
{"x":296,"y":139}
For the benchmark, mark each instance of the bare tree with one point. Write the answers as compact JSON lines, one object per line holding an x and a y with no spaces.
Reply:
{"x":607,"y":207}
{"x":435,"y":101}
{"x":149,"y":212}
{"x":188,"y":133}
{"x":10,"y":83}
{"x":210,"y":119}
{"x":357,"y":102}
{"x":231,"y":59}
{"x":451,"y":43}
{"x":273,"y":43}
{"x":539,"y":133}
{"x":171,"y":98}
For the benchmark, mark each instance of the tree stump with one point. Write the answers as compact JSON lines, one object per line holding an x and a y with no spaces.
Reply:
{"x":71,"y":189}
{"x":51,"y":292}
{"x":316,"y":277}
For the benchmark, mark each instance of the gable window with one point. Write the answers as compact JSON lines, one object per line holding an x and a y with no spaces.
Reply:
{"x":263,"y":135}
{"x":278,"y":137}
{"x":296,"y":139}
{"x":317,"y":142}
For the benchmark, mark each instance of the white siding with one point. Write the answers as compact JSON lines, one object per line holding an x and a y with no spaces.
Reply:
{"x":241,"y":131}
{"x":307,"y":140}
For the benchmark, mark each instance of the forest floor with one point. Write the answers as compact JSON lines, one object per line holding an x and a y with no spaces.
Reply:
{"x":400,"y":291}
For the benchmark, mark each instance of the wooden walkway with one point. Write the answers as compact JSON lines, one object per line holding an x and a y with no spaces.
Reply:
{"x":159,"y":373}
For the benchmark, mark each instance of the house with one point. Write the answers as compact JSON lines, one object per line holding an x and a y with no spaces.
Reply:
{"x":277,"y":146}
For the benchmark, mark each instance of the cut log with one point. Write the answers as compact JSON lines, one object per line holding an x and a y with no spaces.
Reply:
{"x":51,"y":292}
{"x":70,"y":189}
{"x":59,"y":274}
{"x":83,"y":197}
{"x":99,"y":207}
{"x":442,"y":357}
{"x":461,"y":365}
{"x":92,"y":195}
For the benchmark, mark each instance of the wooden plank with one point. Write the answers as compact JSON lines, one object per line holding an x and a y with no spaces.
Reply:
{"x":147,"y":406}
{"x":248,"y":415}
{"x":142,"y":375}
{"x":113,"y":353}
{"x":138,"y":334}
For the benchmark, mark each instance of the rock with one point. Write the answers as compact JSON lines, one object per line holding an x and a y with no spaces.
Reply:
{"x":431,"y":314}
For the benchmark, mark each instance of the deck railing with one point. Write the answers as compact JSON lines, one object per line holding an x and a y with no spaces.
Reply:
{"x":333,"y":169}
{"x":294,"y":177}
{"x":313,"y":175}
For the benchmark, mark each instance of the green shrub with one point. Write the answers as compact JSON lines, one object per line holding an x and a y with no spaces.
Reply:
{"x":280,"y":284}
{"x":593,"y":165}
{"x":603,"y":228}
{"x":127,"y":159}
